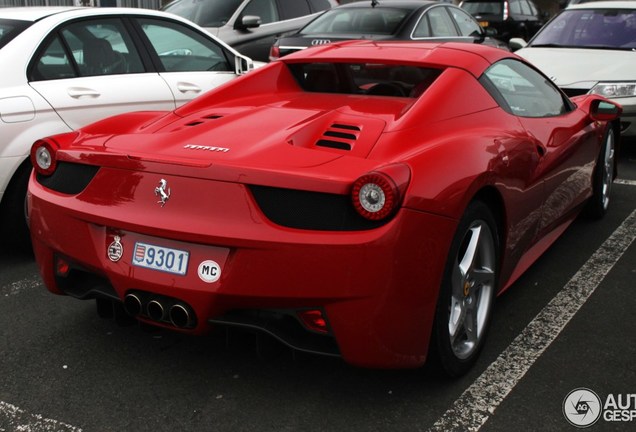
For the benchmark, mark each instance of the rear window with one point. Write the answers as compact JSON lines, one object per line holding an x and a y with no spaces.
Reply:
{"x":10,"y":29}
{"x":483,"y":7}
{"x":377,"y":21}
{"x":364,"y":78}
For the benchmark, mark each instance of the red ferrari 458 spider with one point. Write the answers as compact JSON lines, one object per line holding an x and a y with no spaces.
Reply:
{"x":365,"y":200}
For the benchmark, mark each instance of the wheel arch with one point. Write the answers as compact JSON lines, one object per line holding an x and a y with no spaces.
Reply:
{"x":492,"y":198}
{"x":14,"y":177}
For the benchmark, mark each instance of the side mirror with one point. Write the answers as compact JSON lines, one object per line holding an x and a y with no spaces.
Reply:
{"x":517,"y":43}
{"x":491,"y":31}
{"x":242,"y":64}
{"x":248,"y":22}
{"x":604,"y":110}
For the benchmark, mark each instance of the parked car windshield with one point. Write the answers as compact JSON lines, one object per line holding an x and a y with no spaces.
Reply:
{"x":590,"y":28}
{"x":10,"y":29}
{"x":357,"y":21}
{"x":208,"y":13}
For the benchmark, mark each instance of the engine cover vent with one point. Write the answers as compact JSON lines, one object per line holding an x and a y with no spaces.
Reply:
{"x":339,"y":136}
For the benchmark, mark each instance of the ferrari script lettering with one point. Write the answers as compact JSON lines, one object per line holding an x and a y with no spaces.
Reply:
{"x":208,"y":148}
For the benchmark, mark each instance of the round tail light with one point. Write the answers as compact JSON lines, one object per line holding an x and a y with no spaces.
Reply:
{"x":378,"y":194}
{"x":43,"y":157}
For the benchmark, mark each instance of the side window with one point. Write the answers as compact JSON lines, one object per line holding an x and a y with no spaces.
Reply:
{"x":319,"y":5}
{"x":53,"y":63}
{"x":102,"y":47}
{"x":293,"y":8}
{"x":266,"y":9}
{"x":515,"y":8}
{"x":467,"y":25}
{"x":441,"y":23}
{"x":525,"y":91}
{"x":423,"y":29}
{"x":181,"y":49}
{"x":525,"y":8}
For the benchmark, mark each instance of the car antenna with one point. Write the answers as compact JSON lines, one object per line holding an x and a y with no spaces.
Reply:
{"x":374,"y":3}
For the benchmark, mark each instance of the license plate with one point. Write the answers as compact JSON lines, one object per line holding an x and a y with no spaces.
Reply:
{"x":484,"y":23}
{"x":160,"y":258}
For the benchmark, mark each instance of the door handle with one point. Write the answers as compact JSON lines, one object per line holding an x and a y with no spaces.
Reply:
{"x":184,"y":87}
{"x":81,"y":92}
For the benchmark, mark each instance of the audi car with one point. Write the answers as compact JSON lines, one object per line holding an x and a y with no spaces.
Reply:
{"x":366,"y":200}
{"x":412,"y":20}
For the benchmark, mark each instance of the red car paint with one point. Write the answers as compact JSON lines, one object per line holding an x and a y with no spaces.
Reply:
{"x":374,"y":288}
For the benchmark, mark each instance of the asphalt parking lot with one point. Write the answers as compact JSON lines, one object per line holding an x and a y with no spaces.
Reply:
{"x":566,"y":324}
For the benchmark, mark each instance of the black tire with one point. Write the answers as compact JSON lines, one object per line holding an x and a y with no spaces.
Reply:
{"x":13,"y":222}
{"x":603,"y":177}
{"x":466,"y":297}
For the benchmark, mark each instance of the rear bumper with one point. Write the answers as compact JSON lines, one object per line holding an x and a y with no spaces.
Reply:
{"x":378,"y":288}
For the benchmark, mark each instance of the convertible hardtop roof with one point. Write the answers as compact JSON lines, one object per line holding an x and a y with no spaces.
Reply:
{"x":471,"y":57}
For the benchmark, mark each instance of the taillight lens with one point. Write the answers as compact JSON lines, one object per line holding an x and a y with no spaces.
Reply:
{"x":43,"y":156}
{"x":274,"y":53}
{"x":378,"y":194}
{"x":314,"y":320}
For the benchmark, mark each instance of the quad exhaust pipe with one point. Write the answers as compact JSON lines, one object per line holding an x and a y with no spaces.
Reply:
{"x":160,"y":309}
{"x":155,"y":310}
{"x":179,"y":316}
{"x":132,"y":305}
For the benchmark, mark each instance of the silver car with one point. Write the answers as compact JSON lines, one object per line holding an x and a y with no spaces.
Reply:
{"x":589,"y":48}
{"x":249,"y":26}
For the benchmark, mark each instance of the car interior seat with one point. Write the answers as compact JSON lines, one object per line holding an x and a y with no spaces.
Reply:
{"x":101,"y":59}
{"x":322,"y":81}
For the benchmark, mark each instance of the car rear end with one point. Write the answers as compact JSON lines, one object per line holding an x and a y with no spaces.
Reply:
{"x":489,"y":13}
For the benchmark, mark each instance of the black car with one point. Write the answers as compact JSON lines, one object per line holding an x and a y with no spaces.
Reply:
{"x":511,"y":18}
{"x":387,"y":20}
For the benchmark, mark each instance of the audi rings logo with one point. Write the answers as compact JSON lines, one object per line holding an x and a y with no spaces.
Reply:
{"x":320,"y":42}
{"x":582,"y":407}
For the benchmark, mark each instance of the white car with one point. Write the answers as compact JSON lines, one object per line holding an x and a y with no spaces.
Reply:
{"x":590,"y":48}
{"x":63,"y":68}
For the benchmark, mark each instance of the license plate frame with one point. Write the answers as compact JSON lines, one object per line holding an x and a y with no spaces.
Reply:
{"x":161,"y":258}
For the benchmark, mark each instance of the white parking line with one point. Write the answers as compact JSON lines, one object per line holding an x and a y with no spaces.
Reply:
{"x":19,"y":420}
{"x":21,"y":285}
{"x":12,"y":417}
{"x":479,"y":401}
